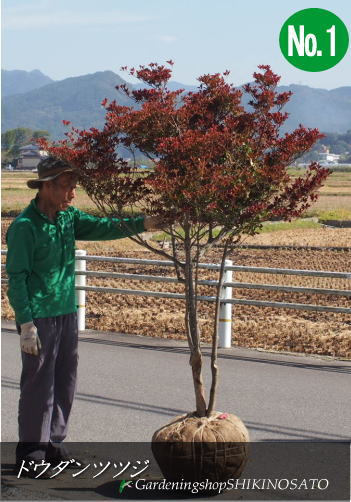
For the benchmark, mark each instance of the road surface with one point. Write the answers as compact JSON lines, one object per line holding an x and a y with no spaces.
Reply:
{"x":131,"y":385}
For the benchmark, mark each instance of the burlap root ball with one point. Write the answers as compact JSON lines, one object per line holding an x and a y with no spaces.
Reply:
{"x":196,"y":449}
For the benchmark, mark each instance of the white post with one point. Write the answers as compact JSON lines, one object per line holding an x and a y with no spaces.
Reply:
{"x":225,"y":311}
{"x":81,"y":266}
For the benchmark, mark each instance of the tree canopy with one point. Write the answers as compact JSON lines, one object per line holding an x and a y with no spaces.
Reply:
{"x":220,"y":171}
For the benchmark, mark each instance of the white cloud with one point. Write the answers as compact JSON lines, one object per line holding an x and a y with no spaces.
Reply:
{"x":167,"y":39}
{"x":26,"y":18}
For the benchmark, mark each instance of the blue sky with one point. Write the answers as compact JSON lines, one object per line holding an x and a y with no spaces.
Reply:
{"x":64,"y":38}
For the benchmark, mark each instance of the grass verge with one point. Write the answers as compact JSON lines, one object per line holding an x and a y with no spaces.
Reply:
{"x":268,"y":227}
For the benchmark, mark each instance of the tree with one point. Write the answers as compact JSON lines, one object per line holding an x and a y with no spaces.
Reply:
{"x":41,"y":133}
{"x":13,"y":139}
{"x":219,"y":172}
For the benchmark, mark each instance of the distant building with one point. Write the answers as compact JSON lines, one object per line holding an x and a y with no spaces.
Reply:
{"x":326,"y":158}
{"x":29,"y":157}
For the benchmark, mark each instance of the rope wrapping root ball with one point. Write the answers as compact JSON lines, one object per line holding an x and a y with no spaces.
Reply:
{"x":199,"y":448}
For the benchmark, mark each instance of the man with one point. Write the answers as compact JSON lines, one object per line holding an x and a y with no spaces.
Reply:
{"x":40,"y":266}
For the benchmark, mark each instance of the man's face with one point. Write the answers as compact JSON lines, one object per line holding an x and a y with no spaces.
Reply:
{"x":61,"y":191}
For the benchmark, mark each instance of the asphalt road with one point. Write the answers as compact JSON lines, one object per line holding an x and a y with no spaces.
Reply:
{"x":131,"y":385}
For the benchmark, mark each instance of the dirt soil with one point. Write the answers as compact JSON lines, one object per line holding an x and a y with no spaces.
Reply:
{"x":280,"y":329}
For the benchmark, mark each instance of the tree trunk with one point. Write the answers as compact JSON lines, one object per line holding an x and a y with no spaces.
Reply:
{"x":193,"y":332}
{"x":214,"y":352}
{"x":196,"y":366}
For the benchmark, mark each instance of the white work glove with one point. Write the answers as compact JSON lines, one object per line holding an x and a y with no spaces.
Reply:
{"x":29,"y":339}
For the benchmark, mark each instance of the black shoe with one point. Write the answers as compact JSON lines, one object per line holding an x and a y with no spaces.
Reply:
{"x":57,"y":454}
{"x":30,"y":451}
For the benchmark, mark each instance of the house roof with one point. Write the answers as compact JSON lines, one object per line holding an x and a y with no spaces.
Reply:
{"x":30,"y":154}
{"x":30,"y":147}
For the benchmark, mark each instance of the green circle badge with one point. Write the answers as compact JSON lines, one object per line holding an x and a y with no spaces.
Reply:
{"x":314,"y":39}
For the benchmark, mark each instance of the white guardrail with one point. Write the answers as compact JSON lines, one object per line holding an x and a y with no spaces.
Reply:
{"x":225,"y":318}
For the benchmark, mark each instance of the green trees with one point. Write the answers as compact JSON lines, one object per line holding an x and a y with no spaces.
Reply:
{"x":12,"y":140}
{"x":337,"y":143}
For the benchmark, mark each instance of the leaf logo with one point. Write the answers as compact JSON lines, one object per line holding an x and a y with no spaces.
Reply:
{"x":123,"y":484}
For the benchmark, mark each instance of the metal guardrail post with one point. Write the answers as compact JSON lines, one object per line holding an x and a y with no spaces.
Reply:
{"x":225,"y":311}
{"x":80,"y":266}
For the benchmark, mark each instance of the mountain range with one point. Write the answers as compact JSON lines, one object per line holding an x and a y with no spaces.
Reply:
{"x":20,"y":81}
{"x":33,"y":100}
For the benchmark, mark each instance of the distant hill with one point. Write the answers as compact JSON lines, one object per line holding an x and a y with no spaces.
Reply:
{"x":78,"y":99}
{"x":330,"y":111}
{"x":20,"y":81}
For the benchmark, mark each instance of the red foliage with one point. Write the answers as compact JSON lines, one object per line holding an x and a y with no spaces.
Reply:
{"x":214,"y":161}
{"x":216,"y":164}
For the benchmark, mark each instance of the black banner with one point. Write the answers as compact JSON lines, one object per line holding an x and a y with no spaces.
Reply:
{"x":224,"y":471}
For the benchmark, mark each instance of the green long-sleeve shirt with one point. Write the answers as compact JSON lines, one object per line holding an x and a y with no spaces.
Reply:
{"x":41,"y":256}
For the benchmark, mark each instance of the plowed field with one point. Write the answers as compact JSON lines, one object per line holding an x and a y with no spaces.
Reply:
{"x":260,"y":327}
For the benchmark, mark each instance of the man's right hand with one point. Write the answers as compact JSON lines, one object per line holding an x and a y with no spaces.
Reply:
{"x":29,"y":339}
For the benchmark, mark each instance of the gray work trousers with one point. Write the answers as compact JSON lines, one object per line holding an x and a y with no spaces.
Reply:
{"x":48,"y":381}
